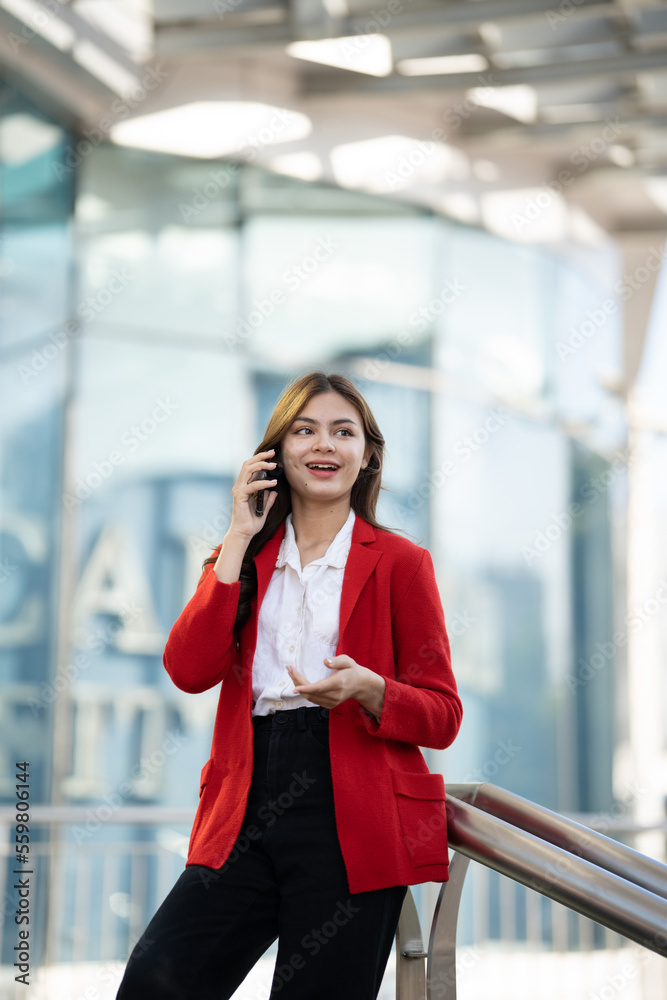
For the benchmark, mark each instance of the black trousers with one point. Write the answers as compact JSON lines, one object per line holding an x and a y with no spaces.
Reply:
{"x":285,"y":878}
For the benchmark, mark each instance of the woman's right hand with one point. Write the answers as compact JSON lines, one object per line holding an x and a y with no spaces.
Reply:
{"x":244,"y":521}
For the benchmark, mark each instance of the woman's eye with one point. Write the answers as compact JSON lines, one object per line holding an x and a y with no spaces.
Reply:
{"x":346,"y":430}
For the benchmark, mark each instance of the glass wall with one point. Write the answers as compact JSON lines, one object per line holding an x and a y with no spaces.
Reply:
{"x":35,"y":380}
{"x":148,"y":330}
{"x":520,"y":514}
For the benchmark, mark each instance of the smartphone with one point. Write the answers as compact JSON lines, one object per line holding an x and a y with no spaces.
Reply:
{"x":259,"y":496}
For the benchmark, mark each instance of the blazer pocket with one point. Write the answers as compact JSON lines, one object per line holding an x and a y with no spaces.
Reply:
{"x":204,"y":776}
{"x":422,"y":813}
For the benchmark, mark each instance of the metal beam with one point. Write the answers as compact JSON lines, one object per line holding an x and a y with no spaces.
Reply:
{"x":86,"y":31}
{"x":50,"y":78}
{"x":214,"y":34}
{"x":509,"y":135}
{"x":345,"y":82}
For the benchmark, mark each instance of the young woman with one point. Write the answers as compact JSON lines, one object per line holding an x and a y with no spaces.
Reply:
{"x":317,"y":809}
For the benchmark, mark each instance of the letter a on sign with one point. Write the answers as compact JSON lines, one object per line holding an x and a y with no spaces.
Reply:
{"x":114,"y":583}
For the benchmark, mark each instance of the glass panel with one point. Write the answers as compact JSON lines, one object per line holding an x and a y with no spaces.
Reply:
{"x":491,"y":308}
{"x":318,"y":284}
{"x":35,"y":376}
{"x":35,"y":202}
{"x":157,"y":247}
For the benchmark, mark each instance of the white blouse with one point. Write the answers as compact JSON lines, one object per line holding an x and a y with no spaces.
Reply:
{"x":298,"y":621}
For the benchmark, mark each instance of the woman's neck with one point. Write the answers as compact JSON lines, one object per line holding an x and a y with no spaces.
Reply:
{"x":315,"y":526}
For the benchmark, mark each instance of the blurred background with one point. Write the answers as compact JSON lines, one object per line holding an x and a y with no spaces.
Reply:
{"x":461,"y":206}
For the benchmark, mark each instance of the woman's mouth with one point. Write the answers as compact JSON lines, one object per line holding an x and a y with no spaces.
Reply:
{"x":323,"y":470}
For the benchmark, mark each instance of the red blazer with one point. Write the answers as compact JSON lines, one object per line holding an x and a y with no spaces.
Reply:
{"x":390,"y":810}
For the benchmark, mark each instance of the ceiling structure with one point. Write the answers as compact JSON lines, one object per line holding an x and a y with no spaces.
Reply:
{"x":542,"y":120}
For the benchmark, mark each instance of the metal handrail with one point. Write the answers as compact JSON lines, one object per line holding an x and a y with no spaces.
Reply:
{"x":563,"y":860}
{"x":558,"y":857}
{"x":581,"y":885}
{"x":565,"y":833}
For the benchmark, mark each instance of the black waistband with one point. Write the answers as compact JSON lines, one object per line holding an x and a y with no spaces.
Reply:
{"x":301,"y":717}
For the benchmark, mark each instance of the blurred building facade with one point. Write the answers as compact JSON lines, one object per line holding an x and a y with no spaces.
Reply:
{"x":153,"y":307}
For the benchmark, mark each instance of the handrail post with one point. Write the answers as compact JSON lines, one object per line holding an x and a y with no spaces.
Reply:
{"x":441,"y":964}
{"x":410,"y":954}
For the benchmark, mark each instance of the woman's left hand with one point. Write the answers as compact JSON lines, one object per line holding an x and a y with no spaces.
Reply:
{"x":349,"y":680}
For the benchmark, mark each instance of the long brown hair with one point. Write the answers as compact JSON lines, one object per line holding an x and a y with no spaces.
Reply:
{"x":365,"y":491}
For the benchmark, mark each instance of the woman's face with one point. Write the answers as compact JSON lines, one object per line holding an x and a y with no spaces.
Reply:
{"x":328,"y":431}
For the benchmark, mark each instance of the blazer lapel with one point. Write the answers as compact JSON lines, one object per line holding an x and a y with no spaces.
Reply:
{"x":361,"y":562}
{"x":265,"y":562}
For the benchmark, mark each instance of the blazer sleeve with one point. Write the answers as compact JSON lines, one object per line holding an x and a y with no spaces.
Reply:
{"x":421,"y":704}
{"x":199,"y":649}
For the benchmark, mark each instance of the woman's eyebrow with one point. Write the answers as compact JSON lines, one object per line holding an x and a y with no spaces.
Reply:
{"x":341,"y":420}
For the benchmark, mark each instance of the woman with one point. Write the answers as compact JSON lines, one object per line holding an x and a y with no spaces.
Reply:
{"x":317,"y":809}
